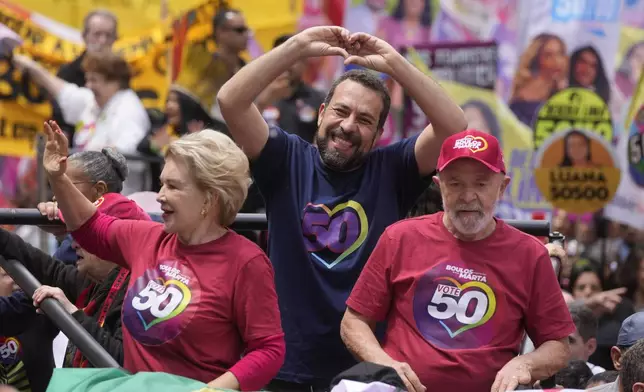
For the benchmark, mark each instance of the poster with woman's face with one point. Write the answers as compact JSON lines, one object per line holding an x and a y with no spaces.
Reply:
{"x":541,"y":72}
{"x":481,"y":116}
{"x":408,"y":24}
{"x":565,"y":47}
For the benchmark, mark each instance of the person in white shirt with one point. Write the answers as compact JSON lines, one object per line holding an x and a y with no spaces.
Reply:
{"x":106,"y":112}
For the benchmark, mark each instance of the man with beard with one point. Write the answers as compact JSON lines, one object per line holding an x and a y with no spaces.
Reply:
{"x":328,"y":203}
{"x":458,"y":288}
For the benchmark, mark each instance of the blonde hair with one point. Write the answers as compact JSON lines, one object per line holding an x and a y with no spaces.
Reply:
{"x":219,"y":167}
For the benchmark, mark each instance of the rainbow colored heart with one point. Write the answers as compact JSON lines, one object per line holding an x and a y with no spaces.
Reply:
{"x":486,"y":317}
{"x":187,"y":296}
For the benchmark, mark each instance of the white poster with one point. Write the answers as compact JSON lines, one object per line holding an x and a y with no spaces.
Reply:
{"x":564,"y":43}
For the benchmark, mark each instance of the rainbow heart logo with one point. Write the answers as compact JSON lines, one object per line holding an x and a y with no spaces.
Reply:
{"x":488,"y":314}
{"x":478,"y":147}
{"x":353,"y":207}
{"x":181,"y":306}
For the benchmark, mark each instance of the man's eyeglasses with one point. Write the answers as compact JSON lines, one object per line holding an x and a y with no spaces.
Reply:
{"x":239,"y":30}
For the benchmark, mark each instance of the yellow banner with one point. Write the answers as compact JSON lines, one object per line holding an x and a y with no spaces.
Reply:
{"x":135,"y":16}
{"x":24,"y":106}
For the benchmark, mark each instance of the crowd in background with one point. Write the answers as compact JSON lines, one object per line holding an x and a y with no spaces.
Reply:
{"x":602,"y":277}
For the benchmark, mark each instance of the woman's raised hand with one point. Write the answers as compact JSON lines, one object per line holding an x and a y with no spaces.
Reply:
{"x":56,"y":150}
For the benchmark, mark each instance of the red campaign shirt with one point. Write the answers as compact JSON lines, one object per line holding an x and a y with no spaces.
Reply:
{"x":456,"y":311}
{"x":192,"y":310}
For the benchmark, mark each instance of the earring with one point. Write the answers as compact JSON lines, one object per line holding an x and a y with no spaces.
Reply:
{"x":204,"y":212}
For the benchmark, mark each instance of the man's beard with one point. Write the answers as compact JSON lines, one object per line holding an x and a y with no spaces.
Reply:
{"x":469,"y":219}
{"x":334,"y":158}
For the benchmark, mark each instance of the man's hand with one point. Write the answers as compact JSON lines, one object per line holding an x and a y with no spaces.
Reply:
{"x":23,"y":63}
{"x":606,"y":301}
{"x":371,"y":52}
{"x":514,"y":373}
{"x":44,"y":292}
{"x":405,"y":372}
{"x":323,"y":41}
{"x":279,"y":89}
{"x":557,"y":251}
{"x":160,"y":138}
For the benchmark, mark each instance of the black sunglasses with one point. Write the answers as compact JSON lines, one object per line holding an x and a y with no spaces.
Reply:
{"x":239,"y":30}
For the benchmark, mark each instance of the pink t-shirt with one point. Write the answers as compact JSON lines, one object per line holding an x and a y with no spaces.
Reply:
{"x":456,"y":311}
{"x":192,"y":310}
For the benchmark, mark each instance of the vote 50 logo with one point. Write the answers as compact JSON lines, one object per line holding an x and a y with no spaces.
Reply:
{"x":451,"y":312}
{"x":161,"y":303}
{"x":10,"y":351}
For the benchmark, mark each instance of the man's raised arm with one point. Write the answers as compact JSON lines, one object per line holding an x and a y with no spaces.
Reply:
{"x":445,"y":116}
{"x":236,"y":97}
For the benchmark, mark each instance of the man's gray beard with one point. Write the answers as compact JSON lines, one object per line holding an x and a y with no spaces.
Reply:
{"x":468,"y":226}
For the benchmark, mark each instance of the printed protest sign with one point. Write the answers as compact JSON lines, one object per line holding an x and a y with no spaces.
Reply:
{"x":470,"y":64}
{"x":636,"y":149}
{"x":576,"y":171}
{"x":575,"y":166}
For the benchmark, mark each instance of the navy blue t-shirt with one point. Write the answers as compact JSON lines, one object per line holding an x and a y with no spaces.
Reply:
{"x":323,"y":225}
{"x":65,"y":252}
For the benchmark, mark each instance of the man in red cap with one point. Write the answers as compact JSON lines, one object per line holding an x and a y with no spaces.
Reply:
{"x":459,"y":288}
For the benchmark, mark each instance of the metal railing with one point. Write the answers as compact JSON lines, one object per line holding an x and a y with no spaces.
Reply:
{"x":82,"y":339}
{"x":243,"y":222}
{"x":90,"y":348}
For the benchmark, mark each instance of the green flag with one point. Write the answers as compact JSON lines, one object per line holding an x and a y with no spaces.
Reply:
{"x":118,"y":380}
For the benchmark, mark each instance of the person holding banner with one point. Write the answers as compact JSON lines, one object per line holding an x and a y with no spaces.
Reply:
{"x":458,"y":289}
{"x":100,"y":30}
{"x":328,"y":203}
{"x":106,"y":112}
{"x":201,"y":301}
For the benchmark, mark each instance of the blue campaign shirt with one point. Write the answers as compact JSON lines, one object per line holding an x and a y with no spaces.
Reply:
{"x":323,"y":225}
{"x":17,"y":314}
{"x":65,"y":252}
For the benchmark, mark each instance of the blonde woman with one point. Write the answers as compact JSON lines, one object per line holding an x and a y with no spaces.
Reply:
{"x":542,"y":71}
{"x":200,"y":297}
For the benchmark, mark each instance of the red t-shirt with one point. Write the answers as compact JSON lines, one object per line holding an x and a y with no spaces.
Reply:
{"x":189,"y":310}
{"x":456,"y":311}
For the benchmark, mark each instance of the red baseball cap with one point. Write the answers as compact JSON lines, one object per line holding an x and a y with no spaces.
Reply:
{"x":119,"y":206}
{"x":472,"y":144}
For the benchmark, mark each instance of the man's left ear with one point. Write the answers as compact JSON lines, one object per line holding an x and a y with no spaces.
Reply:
{"x":638,"y":387}
{"x":591,"y":346}
{"x":504,"y":185}
{"x":320,"y":113}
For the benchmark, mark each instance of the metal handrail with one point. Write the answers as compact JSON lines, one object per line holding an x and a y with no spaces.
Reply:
{"x":82,"y":339}
{"x":31,"y":216}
